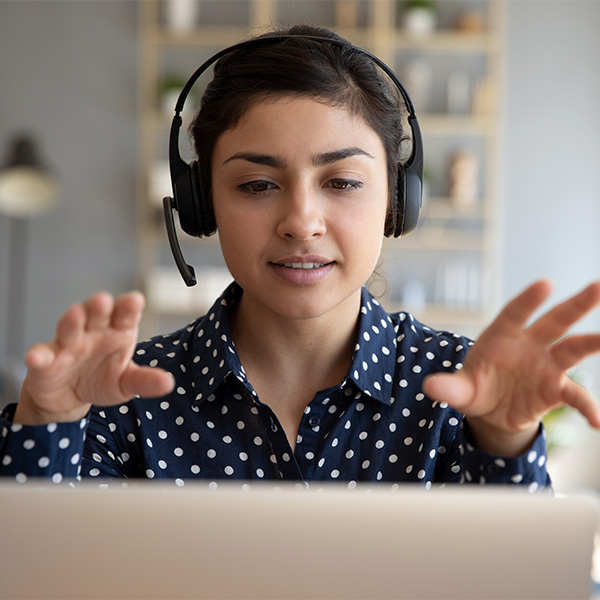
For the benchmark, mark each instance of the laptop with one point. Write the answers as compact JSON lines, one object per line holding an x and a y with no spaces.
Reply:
{"x":256,"y":541}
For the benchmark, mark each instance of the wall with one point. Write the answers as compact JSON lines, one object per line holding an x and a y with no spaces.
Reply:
{"x":552,"y":155}
{"x":552,"y":143}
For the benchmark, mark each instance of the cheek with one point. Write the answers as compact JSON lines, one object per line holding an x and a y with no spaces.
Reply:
{"x":362,"y":232}
{"x":233,"y":235}
{"x":239,"y":226}
{"x":241,"y":236}
{"x":368,"y":217}
{"x":373,"y":228}
{"x":236,"y":253}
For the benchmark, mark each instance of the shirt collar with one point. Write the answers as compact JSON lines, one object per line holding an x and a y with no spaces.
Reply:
{"x":371,"y":370}
{"x":215,"y":356}
{"x":374,"y":360}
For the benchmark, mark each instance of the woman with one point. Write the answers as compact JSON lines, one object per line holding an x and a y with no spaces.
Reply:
{"x":297,"y":373}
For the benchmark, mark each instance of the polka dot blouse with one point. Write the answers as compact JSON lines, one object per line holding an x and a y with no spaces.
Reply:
{"x":376,"y":426}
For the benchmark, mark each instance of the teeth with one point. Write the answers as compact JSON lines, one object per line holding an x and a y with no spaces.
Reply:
{"x":306,"y":266}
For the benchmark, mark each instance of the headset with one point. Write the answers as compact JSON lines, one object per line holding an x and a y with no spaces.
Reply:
{"x":191,"y":198}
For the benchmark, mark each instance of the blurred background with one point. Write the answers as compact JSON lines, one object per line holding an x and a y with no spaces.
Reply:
{"x":507,"y":93}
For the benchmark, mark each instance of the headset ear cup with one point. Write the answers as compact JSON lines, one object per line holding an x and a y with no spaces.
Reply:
{"x":408,"y":203}
{"x":413,"y":199}
{"x":184,"y":201}
{"x":205,"y":216}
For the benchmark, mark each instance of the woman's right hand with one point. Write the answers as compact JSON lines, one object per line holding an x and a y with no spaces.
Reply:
{"x":89,"y":362}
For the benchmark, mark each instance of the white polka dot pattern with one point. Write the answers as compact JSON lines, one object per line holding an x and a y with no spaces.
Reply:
{"x":377,"y":425}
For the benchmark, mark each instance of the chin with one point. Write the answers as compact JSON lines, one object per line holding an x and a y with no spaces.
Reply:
{"x":304,"y":305}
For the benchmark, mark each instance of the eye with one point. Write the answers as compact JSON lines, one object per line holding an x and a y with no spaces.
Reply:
{"x":256,"y":187}
{"x":344,"y":184}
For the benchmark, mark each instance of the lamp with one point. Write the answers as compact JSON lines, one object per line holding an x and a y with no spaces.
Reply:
{"x":27,"y":190}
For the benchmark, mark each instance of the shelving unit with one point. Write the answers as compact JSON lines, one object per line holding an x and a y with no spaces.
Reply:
{"x":446,"y":271}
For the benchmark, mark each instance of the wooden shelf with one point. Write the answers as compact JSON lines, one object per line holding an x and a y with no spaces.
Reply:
{"x":442,"y":41}
{"x":203,"y":36}
{"x":467,"y":125}
{"x":438,"y":239}
{"x":446,"y":42}
{"x":443,"y":209}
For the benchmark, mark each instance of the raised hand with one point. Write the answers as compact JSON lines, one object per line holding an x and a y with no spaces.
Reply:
{"x":514,"y":374}
{"x":89,"y":362}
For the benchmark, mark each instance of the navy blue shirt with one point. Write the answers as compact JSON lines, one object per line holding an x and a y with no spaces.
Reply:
{"x":376,"y":425}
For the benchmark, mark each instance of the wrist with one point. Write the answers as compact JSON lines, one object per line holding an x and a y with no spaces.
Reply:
{"x":500,"y":442}
{"x":28,"y":413}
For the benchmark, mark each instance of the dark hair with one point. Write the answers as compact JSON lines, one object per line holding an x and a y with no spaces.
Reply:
{"x":334,"y":74}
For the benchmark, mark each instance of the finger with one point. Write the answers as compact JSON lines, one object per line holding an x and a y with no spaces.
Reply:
{"x":576,"y":396}
{"x":520,"y":309}
{"x":573,"y":349}
{"x":127,"y":311}
{"x":557,"y":321}
{"x":98,"y":310}
{"x":39,"y":356}
{"x":71,"y":326}
{"x":454,"y":388}
{"x":149,"y":382}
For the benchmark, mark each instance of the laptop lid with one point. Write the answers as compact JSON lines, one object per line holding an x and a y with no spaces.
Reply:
{"x":150,"y":541}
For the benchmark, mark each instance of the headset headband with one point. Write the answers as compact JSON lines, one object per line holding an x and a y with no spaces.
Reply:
{"x":416,"y":157}
{"x":268,"y":40}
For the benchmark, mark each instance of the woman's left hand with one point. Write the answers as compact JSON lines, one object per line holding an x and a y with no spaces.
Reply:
{"x":514,"y":374}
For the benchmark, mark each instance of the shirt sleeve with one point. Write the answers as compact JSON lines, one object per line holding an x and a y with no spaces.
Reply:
{"x":102,"y":454}
{"x":50,"y":451}
{"x":528,"y":469}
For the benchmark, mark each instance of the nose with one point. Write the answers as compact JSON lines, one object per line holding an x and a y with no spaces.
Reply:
{"x":302,"y":215}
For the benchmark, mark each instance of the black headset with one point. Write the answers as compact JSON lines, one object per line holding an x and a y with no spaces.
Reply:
{"x":191,"y":198}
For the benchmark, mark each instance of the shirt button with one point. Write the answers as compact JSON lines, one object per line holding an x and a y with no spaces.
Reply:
{"x":493,"y":469}
{"x":314,"y":421}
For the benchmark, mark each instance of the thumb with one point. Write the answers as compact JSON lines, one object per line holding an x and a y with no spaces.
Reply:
{"x":454,"y":388}
{"x":150,"y":382}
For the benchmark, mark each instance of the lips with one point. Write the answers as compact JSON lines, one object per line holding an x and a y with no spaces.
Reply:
{"x":304,"y":265}
{"x":303,"y":269}
{"x":307,"y":262}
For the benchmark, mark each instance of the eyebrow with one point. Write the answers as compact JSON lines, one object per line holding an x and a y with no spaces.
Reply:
{"x":328,"y":158}
{"x":319,"y":160}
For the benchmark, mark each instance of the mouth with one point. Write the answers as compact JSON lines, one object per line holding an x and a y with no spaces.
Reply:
{"x":303,"y":270}
{"x":307,"y":266}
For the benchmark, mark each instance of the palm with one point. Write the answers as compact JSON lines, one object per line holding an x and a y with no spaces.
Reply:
{"x":89,"y":362}
{"x":516,"y":380}
{"x":514,"y":374}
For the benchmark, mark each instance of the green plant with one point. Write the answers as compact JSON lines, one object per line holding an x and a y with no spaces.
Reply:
{"x":171,"y":83}
{"x":427,"y":4}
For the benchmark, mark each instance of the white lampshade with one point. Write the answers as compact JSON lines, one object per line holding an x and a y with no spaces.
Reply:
{"x":27,"y":192}
{"x":27,"y":188}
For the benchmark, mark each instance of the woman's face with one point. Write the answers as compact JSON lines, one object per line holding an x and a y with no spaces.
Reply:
{"x":300,"y":196}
